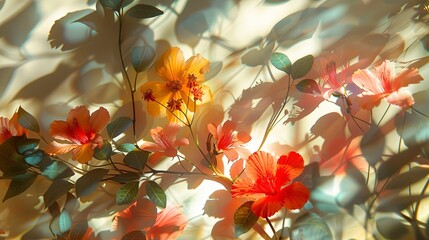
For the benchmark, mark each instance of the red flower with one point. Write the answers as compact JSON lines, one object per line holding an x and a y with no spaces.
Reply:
{"x":265,"y":182}
{"x":80,"y":132}
{"x":229,"y":141}
{"x":9,"y":128}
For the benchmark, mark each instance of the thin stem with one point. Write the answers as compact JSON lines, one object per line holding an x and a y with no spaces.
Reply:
{"x":124,"y":72}
{"x":272,"y":228}
{"x":384,"y":114}
{"x":419,"y":112}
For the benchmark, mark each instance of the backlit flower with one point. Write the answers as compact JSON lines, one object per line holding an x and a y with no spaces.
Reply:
{"x":331,"y":80}
{"x":78,"y":134}
{"x":165,"y":142}
{"x":9,"y":128}
{"x":141,"y":215}
{"x":267,"y":183}
{"x":229,"y":141}
{"x":179,"y":78}
{"x":382,"y":82}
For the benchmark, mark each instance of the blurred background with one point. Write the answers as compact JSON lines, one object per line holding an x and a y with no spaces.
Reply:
{"x":55,"y":55}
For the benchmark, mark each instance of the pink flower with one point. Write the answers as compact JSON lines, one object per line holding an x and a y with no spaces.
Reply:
{"x":141,"y":215}
{"x":165,"y":142}
{"x":331,"y":81}
{"x":382,"y":82}
{"x":229,"y":141}
{"x":80,"y":133}
{"x":9,"y":128}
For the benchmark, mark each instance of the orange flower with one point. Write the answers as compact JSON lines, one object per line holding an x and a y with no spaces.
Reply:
{"x":382,"y":82}
{"x":9,"y":128}
{"x":182,"y":82}
{"x":229,"y":141}
{"x":141,"y":215}
{"x":80,"y":133}
{"x":265,"y":183}
{"x":165,"y":142}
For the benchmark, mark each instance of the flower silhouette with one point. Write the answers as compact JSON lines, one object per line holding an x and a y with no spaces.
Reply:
{"x":182,"y":83}
{"x":265,"y":182}
{"x":9,"y":128}
{"x":165,"y":142}
{"x":141,"y":215}
{"x":229,"y":141}
{"x":382,"y":82}
{"x":80,"y":133}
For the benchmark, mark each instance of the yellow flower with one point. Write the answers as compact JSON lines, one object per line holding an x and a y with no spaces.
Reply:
{"x":181,"y":81}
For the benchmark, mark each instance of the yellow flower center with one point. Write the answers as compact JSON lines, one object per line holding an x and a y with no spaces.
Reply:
{"x":174,"y":85}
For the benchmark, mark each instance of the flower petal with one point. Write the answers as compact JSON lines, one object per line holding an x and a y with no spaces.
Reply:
{"x":155,"y":157}
{"x":170,"y":66}
{"x":181,"y":142}
{"x":162,"y":95}
{"x":401,"y":98}
{"x":289,"y":167}
{"x":150,"y":146}
{"x":213,"y":130}
{"x":60,"y":148}
{"x":231,"y":154}
{"x":60,"y":130}
{"x":243,"y":137}
{"x":267,"y":206}
{"x":369,"y":101}
{"x":196,"y":65}
{"x":294,"y":195}
{"x":169,"y":224}
{"x":243,"y":187}
{"x":99,"y":119}
{"x":366,"y":80}
{"x":83,"y":153}
{"x":406,"y":77}
{"x":79,"y":116}
{"x":260,"y":165}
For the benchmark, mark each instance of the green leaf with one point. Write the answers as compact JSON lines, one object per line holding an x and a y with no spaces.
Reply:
{"x":392,"y":228}
{"x":27,"y":144}
{"x":126,"y":147}
{"x":281,"y":62}
{"x":88,"y":182}
{"x":27,"y":120}
{"x":244,"y":219}
{"x":57,"y":189}
{"x":398,"y":203}
{"x":156,"y":194}
{"x":71,"y":202}
{"x":311,"y":226}
{"x":61,"y":223}
{"x":104,"y":152}
{"x":34,"y":158}
{"x":142,"y":57}
{"x":144,"y":11}
{"x":134,"y":235}
{"x":136,"y":159}
{"x":127,"y":193}
{"x":57,"y":170}
{"x":19,"y":184}
{"x":408,"y":178}
{"x":308,"y":86}
{"x":302,"y":66}
{"x":11,"y":162}
{"x":115,"y":4}
{"x":118,"y":126}
{"x":126,"y":177}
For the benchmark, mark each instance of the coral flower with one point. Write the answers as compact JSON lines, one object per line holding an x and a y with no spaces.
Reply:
{"x":265,"y":182}
{"x":331,"y":81}
{"x":182,"y":83}
{"x":80,"y":133}
{"x":141,"y":215}
{"x":382,"y":82}
{"x":229,"y":141}
{"x":165,"y":142}
{"x":9,"y":128}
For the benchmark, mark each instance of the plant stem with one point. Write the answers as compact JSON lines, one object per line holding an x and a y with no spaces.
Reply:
{"x":272,"y":228}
